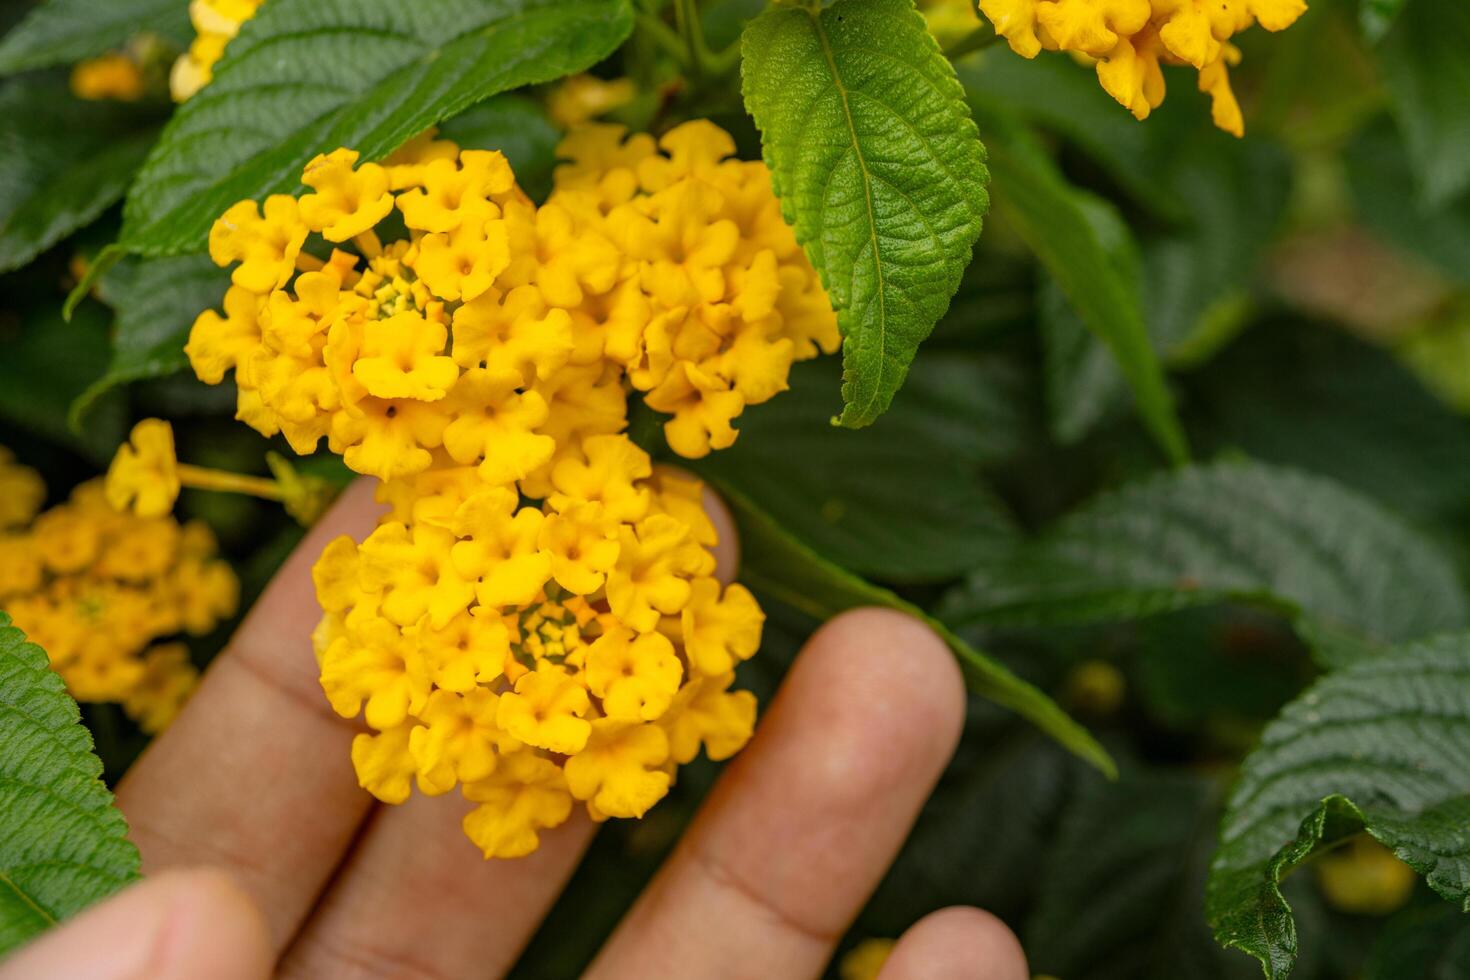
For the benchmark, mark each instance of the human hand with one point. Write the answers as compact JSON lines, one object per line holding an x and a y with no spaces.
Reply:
{"x":315,"y":879}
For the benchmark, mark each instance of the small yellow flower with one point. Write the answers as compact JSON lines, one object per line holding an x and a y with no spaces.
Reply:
{"x":525,"y":795}
{"x":655,"y":562}
{"x":495,"y":424}
{"x":22,"y":491}
{"x":376,"y":671}
{"x":582,"y":545}
{"x":718,"y":632}
{"x":457,"y":739}
{"x":499,"y":548}
{"x":347,"y":201}
{"x":583,"y":97}
{"x":707,"y":711}
{"x":413,"y":571}
{"x":110,"y":76}
{"x":546,"y":710}
{"x":619,"y":772}
{"x":265,"y":243}
{"x":635,"y":676}
{"x":385,"y":767}
{"x":400,"y":358}
{"x":144,"y":475}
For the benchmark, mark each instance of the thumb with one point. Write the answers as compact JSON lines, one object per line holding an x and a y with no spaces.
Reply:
{"x":179,"y":925}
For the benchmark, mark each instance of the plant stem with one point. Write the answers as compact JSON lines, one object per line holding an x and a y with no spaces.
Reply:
{"x":977,"y":40}
{"x":201,"y":478}
{"x":686,"y":16}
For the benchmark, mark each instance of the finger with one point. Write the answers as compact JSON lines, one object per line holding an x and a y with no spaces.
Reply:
{"x":256,"y":775}
{"x":957,"y":943}
{"x":803,"y":824}
{"x":178,"y":926}
{"x":387,"y":904}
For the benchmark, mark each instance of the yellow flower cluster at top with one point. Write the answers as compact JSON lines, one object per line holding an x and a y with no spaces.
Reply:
{"x":1130,"y":39}
{"x":216,"y":22}
{"x":97,"y":589}
{"x":536,"y":620}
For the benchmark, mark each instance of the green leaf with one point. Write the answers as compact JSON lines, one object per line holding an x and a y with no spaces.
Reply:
{"x":1121,"y":895}
{"x":1422,"y":943}
{"x":1048,"y":214}
{"x":979,"y":837}
{"x":59,"y":32}
{"x":518,"y":127}
{"x":901,"y":501}
{"x":63,"y":845}
{"x":47,"y":363}
{"x":1382,"y":183}
{"x":1424,"y":65}
{"x":1084,"y":385}
{"x":1313,"y":397}
{"x":1377,"y":16}
{"x":1348,"y":573}
{"x":62,"y":163}
{"x":879,"y":168}
{"x":1382,"y":746}
{"x":304,"y":77}
{"x":778,"y":565}
{"x":156,"y":302}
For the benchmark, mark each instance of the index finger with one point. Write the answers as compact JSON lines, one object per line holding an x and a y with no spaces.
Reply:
{"x":255,"y":776}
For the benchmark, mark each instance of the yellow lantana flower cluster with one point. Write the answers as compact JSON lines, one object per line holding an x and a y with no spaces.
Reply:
{"x":1130,"y":39}
{"x":216,"y":22}
{"x":536,"y":620}
{"x":97,"y":588}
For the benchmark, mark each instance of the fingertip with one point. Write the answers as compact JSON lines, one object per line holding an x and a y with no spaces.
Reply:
{"x":958,"y":943}
{"x":215,"y":929}
{"x":899,"y":669}
{"x":727,"y":543}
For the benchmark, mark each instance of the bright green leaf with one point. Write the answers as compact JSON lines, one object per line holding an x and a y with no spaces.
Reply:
{"x":776,"y":564}
{"x":1048,"y":213}
{"x":63,"y":845}
{"x":59,"y":32}
{"x":879,"y":169}
{"x":901,"y":501}
{"x":1428,"y":76}
{"x":156,"y":302}
{"x":304,"y":77}
{"x":62,"y":163}
{"x":1383,"y":745}
{"x":1349,"y":573}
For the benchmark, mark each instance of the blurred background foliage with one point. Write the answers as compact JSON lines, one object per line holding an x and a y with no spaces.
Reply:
{"x":1307,"y":287}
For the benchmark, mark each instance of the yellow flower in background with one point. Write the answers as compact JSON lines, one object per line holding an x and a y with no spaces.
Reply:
{"x":22,"y":491}
{"x":865,"y":960}
{"x":582,"y":98}
{"x":1130,"y":39}
{"x":536,"y":620}
{"x":97,"y":587}
{"x":113,"y":76}
{"x":216,"y":22}
{"x":144,"y":476}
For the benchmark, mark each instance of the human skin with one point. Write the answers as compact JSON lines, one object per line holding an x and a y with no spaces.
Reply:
{"x":264,"y":857}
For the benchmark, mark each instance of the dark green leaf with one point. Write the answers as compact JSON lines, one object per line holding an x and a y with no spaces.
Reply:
{"x":1377,"y":16}
{"x":1422,"y":943}
{"x":879,"y":169}
{"x":1383,"y":745}
{"x":156,"y":302}
{"x":901,"y":501}
{"x":305,"y":77}
{"x":1083,"y":383}
{"x":1048,"y":214}
{"x":62,"y":163}
{"x":518,"y":127}
{"x":1349,"y":573}
{"x":776,"y":564}
{"x":1312,"y":397}
{"x":1428,"y":76}
{"x":47,"y":363}
{"x":63,"y":845}
{"x":59,"y":32}
{"x":1122,"y":885}
{"x":1383,"y":189}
